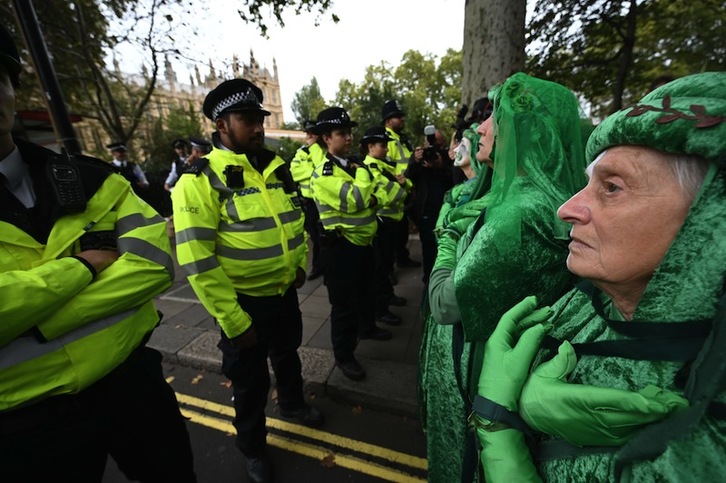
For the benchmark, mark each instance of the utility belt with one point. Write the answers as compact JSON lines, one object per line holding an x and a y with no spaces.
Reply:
{"x":54,"y":408}
{"x":330,"y":238}
{"x":386,"y":220}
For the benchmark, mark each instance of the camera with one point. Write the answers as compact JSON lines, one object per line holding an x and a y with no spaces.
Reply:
{"x":430,"y":153}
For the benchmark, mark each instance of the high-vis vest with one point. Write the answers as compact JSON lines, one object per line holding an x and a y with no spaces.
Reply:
{"x":237,"y":231}
{"x":344,"y":201}
{"x":398,"y":152}
{"x":61,"y":331}
{"x":395,"y":195}
{"x":303,"y":164}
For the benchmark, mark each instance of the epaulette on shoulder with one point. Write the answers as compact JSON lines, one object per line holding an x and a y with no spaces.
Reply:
{"x":306,"y":149}
{"x":196,"y":167}
{"x":82,"y":159}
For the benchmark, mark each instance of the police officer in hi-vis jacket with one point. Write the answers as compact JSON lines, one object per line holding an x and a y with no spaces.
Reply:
{"x":81,"y":259}
{"x":240,"y":239}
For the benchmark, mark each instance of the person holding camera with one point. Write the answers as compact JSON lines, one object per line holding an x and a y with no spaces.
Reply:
{"x":429,"y":168}
{"x":81,"y":259}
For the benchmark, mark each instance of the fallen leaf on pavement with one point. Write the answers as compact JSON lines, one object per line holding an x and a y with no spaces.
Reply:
{"x":197,"y":378}
{"x":328,"y":461}
{"x":226,"y":383}
{"x":357,"y":410}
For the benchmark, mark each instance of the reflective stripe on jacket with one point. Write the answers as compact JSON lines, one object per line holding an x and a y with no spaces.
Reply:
{"x":344,"y":202}
{"x":303,"y":164}
{"x":398,"y":152}
{"x":390,"y":205}
{"x":61,"y":330}
{"x":247,"y":240}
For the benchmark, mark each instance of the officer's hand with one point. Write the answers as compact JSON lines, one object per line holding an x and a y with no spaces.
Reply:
{"x":99,"y":259}
{"x":299,"y":278}
{"x":401,"y":179}
{"x":246,"y":339}
{"x":418,"y":154}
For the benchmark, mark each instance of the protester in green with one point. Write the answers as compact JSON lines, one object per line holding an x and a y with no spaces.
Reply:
{"x":464,"y":156}
{"x":649,"y":237}
{"x":496,"y":249}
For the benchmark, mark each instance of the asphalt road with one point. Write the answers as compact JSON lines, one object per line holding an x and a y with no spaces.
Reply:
{"x":355,"y":445}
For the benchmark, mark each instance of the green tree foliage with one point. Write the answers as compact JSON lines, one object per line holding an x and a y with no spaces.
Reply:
{"x":178,"y":123}
{"x":307,"y":102}
{"x":257,"y":11}
{"x":429,"y":90}
{"x":611,"y":50}
{"x":287,"y":148}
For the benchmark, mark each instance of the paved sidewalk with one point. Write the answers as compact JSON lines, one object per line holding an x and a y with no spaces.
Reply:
{"x":188,"y":335}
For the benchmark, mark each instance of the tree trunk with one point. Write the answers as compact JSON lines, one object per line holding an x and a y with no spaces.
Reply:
{"x":493,"y":44}
{"x":626,"y":59}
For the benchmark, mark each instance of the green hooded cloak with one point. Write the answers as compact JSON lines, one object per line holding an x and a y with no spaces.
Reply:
{"x":514,"y":246}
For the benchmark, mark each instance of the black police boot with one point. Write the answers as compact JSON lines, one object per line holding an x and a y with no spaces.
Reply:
{"x":389,"y":319}
{"x":307,"y":415}
{"x":259,"y":468}
{"x":352,"y":369}
{"x":397,"y":301}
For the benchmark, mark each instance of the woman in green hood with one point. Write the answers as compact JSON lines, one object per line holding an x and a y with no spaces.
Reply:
{"x":635,"y":390}
{"x":495,"y":250}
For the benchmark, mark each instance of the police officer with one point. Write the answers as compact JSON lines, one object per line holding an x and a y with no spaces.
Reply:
{"x":345,"y":195}
{"x":177,"y":165}
{"x":399,"y":151}
{"x":394,"y":188}
{"x":129,"y":170}
{"x":240,"y":239}
{"x":302,"y":166}
{"x":81,"y":258}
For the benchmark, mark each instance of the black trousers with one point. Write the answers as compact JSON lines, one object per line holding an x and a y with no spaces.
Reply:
{"x":278,"y":323}
{"x":312,"y":226}
{"x":349,"y":276}
{"x":401,"y":241}
{"x":131,"y":414}
{"x":383,"y":246}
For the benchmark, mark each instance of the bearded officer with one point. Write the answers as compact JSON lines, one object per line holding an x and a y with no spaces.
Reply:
{"x":241,"y":241}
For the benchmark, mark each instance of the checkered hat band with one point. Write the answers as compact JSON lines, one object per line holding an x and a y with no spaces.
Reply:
{"x":377,"y":136}
{"x":333,"y":121}
{"x":247,"y":96}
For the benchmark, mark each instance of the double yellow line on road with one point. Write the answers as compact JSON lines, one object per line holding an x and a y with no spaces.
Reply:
{"x":311,"y":450}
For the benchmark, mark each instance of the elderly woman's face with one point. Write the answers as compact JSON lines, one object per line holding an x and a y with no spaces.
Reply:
{"x":625,"y":219}
{"x":486,"y":141}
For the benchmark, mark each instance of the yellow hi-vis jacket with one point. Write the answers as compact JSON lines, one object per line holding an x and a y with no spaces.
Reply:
{"x":395,"y":195}
{"x":306,"y":159}
{"x":345,"y":202}
{"x":61,"y":330}
{"x":398,"y":152}
{"x":231,"y":238}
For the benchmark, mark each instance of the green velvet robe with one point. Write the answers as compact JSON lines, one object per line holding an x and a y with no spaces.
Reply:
{"x":487,"y":283}
{"x":686,"y":286}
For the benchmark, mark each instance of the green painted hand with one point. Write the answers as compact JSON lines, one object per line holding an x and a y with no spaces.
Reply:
{"x":589,"y":415}
{"x":509,"y":352}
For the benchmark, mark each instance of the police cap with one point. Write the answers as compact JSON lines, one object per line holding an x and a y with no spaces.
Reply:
{"x":375,"y":134}
{"x":233,"y":95}
{"x":116,"y":147}
{"x":390,"y":109}
{"x":332,"y":118}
